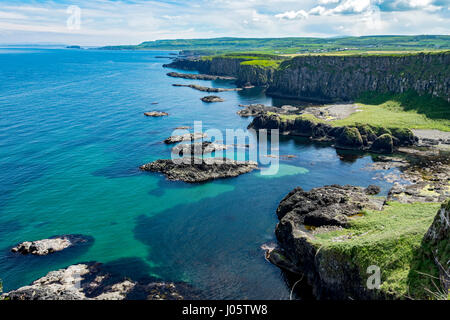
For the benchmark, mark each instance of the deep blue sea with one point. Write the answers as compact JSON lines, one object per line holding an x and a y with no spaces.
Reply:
{"x":72,"y":136}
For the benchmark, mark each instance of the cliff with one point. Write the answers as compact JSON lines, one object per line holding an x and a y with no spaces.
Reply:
{"x":345,"y":78}
{"x":335,"y":78}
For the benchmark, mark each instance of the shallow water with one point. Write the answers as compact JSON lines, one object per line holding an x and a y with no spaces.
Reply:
{"x":72,"y":136}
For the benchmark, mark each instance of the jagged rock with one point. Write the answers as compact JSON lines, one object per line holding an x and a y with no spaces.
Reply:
{"x":185,"y":137}
{"x":197,"y":148}
{"x":210,"y":99}
{"x":200,"y":170}
{"x":198,"y":76}
{"x":48,"y":246}
{"x":259,"y":109}
{"x":383,"y":144}
{"x":155,"y":114}
{"x":88,"y":281}
{"x":206,"y":89}
{"x":325,"y":206}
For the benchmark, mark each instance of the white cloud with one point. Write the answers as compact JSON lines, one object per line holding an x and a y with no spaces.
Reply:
{"x":291,"y":15}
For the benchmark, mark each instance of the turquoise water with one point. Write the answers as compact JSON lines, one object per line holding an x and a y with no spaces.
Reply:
{"x":72,"y":135}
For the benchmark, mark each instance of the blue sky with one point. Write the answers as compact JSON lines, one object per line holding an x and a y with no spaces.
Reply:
{"x":133,"y":21}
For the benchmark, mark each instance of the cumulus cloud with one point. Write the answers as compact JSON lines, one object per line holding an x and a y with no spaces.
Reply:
{"x":131,"y":22}
{"x":291,"y":15}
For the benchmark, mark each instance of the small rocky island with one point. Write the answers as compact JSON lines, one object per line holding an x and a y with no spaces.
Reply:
{"x":90,"y":281}
{"x":198,"y":76}
{"x":156,"y":114}
{"x":206,"y":89}
{"x":185,"y":137}
{"x":48,"y":246}
{"x":196,"y":170}
{"x":210,"y":99}
{"x":197,"y":148}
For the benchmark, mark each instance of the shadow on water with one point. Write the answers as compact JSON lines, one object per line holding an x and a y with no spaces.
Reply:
{"x":215,"y":245}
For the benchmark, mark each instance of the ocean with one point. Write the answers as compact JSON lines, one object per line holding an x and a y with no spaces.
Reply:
{"x":72,"y":138}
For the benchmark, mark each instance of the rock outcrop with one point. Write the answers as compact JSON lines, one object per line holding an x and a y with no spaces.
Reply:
{"x":89,"y":281}
{"x":302,"y":215}
{"x":196,"y":170}
{"x":206,"y":89}
{"x":253,"y":110}
{"x":48,"y":246}
{"x":185,"y":137}
{"x":198,"y":76}
{"x":155,"y":114}
{"x":197,"y":148}
{"x":359,"y":137}
{"x":210,"y":99}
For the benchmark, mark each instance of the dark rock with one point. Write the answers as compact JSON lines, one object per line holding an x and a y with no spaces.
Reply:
{"x":200,"y":170}
{"x":198,"y":76}
{"x":372,"y":190}
{"x":185,"y":137}
{"x":206,"y":89}
{"x":89,"y":281}
{"x":155,"y":114}
{"x":210,"y":99}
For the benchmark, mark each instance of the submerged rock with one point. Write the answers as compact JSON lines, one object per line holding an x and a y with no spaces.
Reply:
{"x":48,"y":246}
{"x":200,"y":170}
{"x":155,"y":114}
{"x":185,"y":137}
{"x":89,"y":281}
{"x":210,"y":99}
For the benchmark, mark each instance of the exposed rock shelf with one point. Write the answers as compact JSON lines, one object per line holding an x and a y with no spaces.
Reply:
{"x":89,"y":281}
{"x":198,"y":76}
{"x":155,"y":114}
{"x":253,"y":110}
{"x":206,"y":89}
{"x":185,"y":137}
{"x":210,"y":99}
{"x":48,"y":246}
{"x":200,"y":170}
{"x":197,"y":148}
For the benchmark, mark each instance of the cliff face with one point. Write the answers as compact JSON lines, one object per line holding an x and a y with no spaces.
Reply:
{"x":245,"y":74}
{"x":344,"y":78}
{"x":334,"y":78}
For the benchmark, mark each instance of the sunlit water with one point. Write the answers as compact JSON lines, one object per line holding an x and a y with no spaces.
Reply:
{"x":72,"y":136}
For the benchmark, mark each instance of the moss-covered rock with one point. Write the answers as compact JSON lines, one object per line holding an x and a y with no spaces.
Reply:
{"x":383,"y":144}
{"x":404,"y":136}
{"x":350,"y":138}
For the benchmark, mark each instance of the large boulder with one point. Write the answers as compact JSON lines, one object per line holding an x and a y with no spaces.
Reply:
{"x":383,"y":144}
{"x":350,"y":138}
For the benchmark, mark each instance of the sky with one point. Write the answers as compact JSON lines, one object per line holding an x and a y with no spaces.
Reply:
{"x":113,"y":22}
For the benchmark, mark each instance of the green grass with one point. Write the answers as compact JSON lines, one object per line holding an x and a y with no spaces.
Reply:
{"x":299,"y":45}
{"x":407,"y":110}
{"x":388,"y":239}
{"x":262,"y":63}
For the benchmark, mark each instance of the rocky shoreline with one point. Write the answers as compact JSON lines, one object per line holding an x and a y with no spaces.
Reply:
{"x":206,"y":89}
{"x":90,"y":281}
{"x":360,"y":137}
{"x":198,"y":76}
